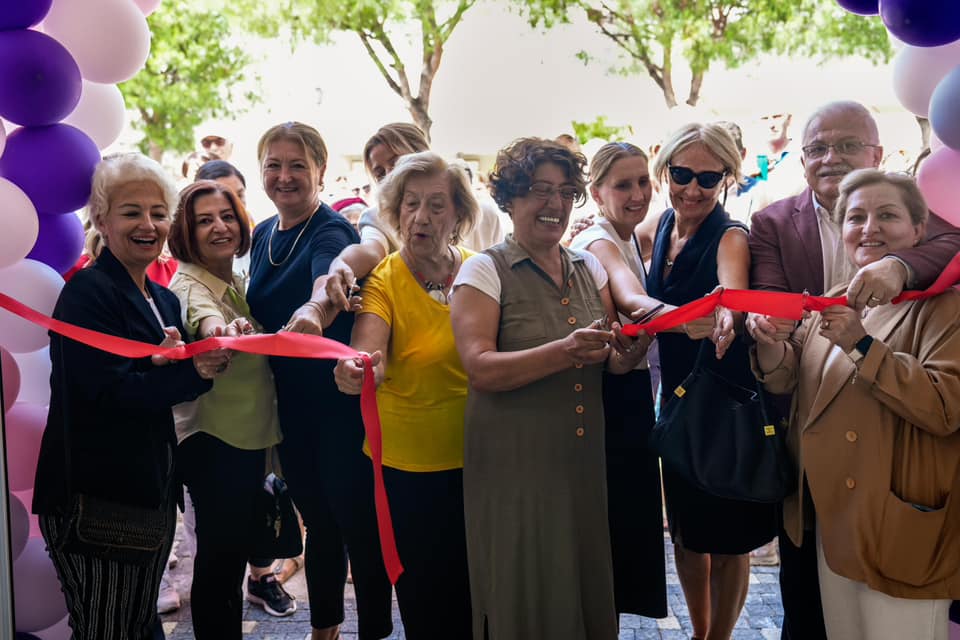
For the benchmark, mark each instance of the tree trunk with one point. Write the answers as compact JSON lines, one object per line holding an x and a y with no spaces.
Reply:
{"x":696,"y":83}
{"x":924,"y":132}
{"x":420,"y":116}
{"x":156,"y":151}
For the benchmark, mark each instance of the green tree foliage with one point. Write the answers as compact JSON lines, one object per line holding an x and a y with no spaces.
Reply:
{"x":586,"y":131}
{"x":190,"y":76}
{"x":650,"y":34}
{"x":375,"y":23}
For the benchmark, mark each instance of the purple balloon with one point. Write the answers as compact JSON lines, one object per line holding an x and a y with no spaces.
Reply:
{"x":59,"y":243}
{"x":53,"y":165}
{"x":922,"y":23}
{"x":944,"y":116}
{"x":861,"y":7}
{"x":38,"y":600}
{"x":39,"y":80}
{"x":19,"y":526}
{"x":20,"y":14}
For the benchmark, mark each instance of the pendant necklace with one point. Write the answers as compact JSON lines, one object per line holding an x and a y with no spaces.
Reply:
{"x":436,"y":290}
{"x":292,"y":247}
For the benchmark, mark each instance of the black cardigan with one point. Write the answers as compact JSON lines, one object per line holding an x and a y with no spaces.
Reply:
{"x":118,"y":410}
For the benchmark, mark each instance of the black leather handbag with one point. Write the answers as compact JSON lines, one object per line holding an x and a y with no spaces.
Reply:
{"x":276,"y":532}
{"x":114,"y":531}
{"x":724,"y":438}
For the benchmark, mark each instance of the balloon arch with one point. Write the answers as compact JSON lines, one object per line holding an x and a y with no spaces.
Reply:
{"x":59,"y":104}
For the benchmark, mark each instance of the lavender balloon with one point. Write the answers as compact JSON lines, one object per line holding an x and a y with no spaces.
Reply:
{"x":39,"y":80}
{"x":944,"y":116}
{"x":38,"y":601}
{"x":19,"y":526}
{"x":861,"y":7}
{"x":922,"y":23}
{"x":53,"y":165}
{"x":20,"y":14}
{"x":59,"y":242}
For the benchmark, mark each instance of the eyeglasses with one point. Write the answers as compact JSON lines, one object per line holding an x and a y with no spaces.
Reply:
{"x":845,"y":148}
{"x":706,"y":179}
{"x":545,"y":191}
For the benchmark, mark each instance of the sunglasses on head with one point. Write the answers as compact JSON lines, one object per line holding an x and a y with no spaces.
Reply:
{"x":706,"y":179}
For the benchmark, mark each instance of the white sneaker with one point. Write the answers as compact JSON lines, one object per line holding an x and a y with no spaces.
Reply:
{"x":168,"y":600}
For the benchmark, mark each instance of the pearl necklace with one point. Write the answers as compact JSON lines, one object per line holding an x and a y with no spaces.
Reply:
{"x":294,"y":246}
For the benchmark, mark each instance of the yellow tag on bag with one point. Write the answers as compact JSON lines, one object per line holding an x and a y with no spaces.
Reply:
{"x":679,"y":391}
{"x":769,"y":430}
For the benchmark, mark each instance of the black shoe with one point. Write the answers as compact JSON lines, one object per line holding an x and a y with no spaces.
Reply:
{"x":270,"y":595}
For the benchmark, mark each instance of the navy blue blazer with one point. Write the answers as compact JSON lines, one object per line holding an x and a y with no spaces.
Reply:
{"x":117,"y":410}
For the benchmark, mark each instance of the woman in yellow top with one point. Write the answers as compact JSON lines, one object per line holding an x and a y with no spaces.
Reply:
{"x":223,"y":435}
{"x":421,"y":388}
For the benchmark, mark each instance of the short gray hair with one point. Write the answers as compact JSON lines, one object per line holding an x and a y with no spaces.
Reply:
{"x":905,"y":184}
{"x":715,"y":137}
{"x":121,"y":168}
{"x":427,"y":163}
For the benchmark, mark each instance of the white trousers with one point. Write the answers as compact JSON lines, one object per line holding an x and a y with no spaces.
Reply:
{"x":854,"y":611}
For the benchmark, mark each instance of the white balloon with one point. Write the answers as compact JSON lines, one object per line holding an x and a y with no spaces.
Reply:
{"x":35,"y":370}
{"x":109,"y":39}
{"x":147,"y":6}
{"x":100,"y":113}
{"x":37,"y":286}
{"x":19,"y":225}
{"x":918,"y":70}
{"x":3,"y":137}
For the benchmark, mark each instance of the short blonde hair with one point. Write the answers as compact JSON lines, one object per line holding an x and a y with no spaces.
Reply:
{"x":400,"y":137}
{"x":121,"y":168}
{"x":715,"y":137}
{"x":428,"y":163}
{"x":905,"y":184}
{"x":608,"y":155}
{"x":306,"y":136}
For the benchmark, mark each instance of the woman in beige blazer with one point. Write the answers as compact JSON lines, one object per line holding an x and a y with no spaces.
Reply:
{"x":874,"y":428}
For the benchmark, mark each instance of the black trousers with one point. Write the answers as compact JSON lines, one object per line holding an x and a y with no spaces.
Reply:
{"x":433,"y":592}
{"x":107,"y":600}
{"x":222,"y":481}
{"x":800,"y":589}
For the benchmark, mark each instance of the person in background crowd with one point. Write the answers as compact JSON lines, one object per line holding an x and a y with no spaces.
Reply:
{"x":795,"y":246}
{"x":531,"y":323}
{"x":620,"y":185}
{"x":110,"y":431}
{"x":422,"y":388}
{"x":350,"y":208}
{"x":224,"y":436}
{"x":874,"y":430}
{"x":217,"y":147}
{"x":698,"y":247}
{"x":330,"y":479}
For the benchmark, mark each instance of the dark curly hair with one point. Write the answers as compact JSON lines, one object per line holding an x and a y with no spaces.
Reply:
{"x":513,"y":174}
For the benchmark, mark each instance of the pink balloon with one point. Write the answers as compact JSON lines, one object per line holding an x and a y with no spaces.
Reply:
{"x":25,"y":424}
{"x":19,"y":526}
{"x":59,"y":631}
{"x":35,"y":285}
{"x":937,"y":179}
{"x":935,"y":142}
{"x":18,"y":219}
{"x":38,"y":600}
{"x":34,"y":376}
{"x":11,"y":378}
{"x":918,"y":70}
{"x":147,"y":6}
{"x":109,"y":39}
{"x":100,"y":113}
{"x":26,"y":497}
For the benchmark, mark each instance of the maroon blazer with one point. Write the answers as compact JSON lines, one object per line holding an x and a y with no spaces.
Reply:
{"x":786,"y":254}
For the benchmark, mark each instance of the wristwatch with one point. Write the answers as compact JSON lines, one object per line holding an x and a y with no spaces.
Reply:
{"x":859,"y":351}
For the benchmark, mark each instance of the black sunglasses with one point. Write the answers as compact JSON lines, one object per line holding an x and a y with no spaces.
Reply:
{"x":706,"y":179}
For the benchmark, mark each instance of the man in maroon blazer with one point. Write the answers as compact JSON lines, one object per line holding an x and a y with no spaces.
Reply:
{"x":796,"y":246}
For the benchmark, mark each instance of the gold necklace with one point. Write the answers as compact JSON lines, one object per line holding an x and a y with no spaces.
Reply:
{"x":294,"y":246}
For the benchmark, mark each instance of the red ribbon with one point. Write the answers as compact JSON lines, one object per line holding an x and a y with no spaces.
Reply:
{"x":292,"y":345}
{"x":297,"y":345}
{"x":777,"y":304}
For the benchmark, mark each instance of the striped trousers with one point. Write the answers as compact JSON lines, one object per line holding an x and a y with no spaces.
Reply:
{"x":108,"y":600}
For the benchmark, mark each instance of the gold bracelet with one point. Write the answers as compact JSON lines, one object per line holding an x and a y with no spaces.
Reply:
{"x":319,"y":307}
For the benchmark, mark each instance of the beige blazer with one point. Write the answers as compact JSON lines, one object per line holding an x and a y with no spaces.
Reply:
{"x":880,"y":447}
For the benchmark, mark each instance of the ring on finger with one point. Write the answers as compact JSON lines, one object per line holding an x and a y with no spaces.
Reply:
{"x":873,"y":300}
{"x":825,"y":324}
